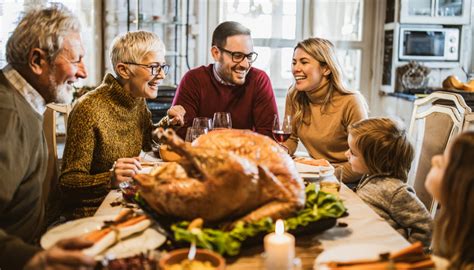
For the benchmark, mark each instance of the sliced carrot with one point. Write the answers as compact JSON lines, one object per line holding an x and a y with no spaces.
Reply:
{"x":353,"y":262}
{"x":423,"y":264}
{"x":124,"y":213}
{"x":95,"y":236}
{"x":416,"y":248}
{"x":131,"y":221}
{"x":370,"y":266}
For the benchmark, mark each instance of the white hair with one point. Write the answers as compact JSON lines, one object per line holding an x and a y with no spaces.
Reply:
{"x":41,"y":28}
{"x":134,"y":47}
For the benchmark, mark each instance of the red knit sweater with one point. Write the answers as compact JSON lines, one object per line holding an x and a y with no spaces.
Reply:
{"x":251,"y":105}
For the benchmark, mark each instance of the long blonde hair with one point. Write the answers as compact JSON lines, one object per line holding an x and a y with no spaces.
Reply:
{"x":454,"y":226}
{"x":322,"y":50}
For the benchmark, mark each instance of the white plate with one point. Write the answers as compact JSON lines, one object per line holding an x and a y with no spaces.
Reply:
{"x":133,"y":245}
{"x":349,"y":252}
{"x":145,"y":170}
{"x":149,"y":239}
{"x":310,"y":171}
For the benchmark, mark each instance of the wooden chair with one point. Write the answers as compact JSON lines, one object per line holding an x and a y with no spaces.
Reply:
{"x":50,"y":121}
{"x":435,"y":121}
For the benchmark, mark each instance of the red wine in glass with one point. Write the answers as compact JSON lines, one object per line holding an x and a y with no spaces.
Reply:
{"x":281,"y":136}
{"x":282,"y":130}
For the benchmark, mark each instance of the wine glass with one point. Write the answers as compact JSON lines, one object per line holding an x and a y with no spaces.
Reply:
{"x":282,"y":129}
{"x":202,"y":122}
{"x":333,"y":184}
{"x":193,"y":133}
{"x":222,"y":120}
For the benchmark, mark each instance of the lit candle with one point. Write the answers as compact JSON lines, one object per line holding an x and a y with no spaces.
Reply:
{"x":279,"y":248}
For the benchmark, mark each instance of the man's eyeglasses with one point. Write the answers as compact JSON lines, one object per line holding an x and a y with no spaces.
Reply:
{"x":238,"y":57}
{"x":154,"y":68}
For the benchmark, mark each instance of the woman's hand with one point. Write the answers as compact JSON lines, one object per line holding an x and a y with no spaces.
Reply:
{"x":176,"y":115}
{"x":65,"y":254}
{"x":124,"y":169}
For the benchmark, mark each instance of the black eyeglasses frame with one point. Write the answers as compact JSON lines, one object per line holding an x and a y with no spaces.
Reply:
{"x":250,"y":56}
{"x":155,"y":68}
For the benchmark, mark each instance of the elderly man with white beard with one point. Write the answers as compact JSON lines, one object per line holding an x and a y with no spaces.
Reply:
{"x":45,"y":57}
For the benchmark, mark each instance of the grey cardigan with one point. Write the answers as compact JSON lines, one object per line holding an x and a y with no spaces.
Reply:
{"x":397,"y":203}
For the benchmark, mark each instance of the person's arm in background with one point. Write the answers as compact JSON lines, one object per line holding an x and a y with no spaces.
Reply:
{"x":13,"y":251}
{"x":348,"y":175}
{"x":292,"y":142}
{"x":355,"y":111}
{"x":265,"y":106}
{"x":16,"y":254}
{"x":14,"y":158}
{"x":408,"y":211}
{"x":174,"y":118}
{"x":187,"y":95}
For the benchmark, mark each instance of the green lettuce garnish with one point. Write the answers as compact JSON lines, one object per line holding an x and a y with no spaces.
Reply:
{"x":318,"y":205}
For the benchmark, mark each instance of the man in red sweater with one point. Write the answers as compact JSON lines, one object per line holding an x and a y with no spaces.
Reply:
{"x":231,"y":84}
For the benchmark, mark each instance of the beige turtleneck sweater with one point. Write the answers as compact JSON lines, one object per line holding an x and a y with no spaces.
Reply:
{"x":326,"y":135}
{"x":106,"y":124}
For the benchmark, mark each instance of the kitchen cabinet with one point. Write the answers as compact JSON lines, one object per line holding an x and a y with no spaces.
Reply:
{"x":452,"y":12}
{"x":398,"y":108}
{"x":167,"y":18}
{"x":417,"y":17}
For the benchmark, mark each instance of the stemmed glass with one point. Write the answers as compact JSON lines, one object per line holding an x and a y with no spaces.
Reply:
{"x":333,"y":184}
{"x":193,"y":133}
{"x":202,"y":122}
{"x":282,"y":129}
{"x":222,"y":120}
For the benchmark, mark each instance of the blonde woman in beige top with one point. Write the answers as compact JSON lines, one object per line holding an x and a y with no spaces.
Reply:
{"x":320,"y":106}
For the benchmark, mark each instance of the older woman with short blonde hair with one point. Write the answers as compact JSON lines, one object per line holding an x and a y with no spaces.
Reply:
{"x":109,"y":126}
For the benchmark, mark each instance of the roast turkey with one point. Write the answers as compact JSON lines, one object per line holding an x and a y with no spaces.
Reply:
{"x":225,"y":175}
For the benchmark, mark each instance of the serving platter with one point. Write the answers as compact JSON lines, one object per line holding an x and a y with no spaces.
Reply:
{"x":171,"y":227}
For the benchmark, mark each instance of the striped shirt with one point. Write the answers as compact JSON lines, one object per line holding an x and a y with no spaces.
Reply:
{"x":32,"y":96}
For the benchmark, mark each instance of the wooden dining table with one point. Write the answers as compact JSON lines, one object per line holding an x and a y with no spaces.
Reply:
{"x":361,"y":226}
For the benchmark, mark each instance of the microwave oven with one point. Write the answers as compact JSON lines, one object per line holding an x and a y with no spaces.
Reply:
{"x":428,"y":43}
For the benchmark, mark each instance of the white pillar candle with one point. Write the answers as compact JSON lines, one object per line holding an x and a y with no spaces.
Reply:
{"x":279,"y":248}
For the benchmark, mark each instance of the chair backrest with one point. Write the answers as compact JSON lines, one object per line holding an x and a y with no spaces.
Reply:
{"x":50,"y":132}
{"x":436,"y":119}
{"x":468,"y":122}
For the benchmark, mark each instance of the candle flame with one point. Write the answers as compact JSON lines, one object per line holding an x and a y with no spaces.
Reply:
{"x":279,"y":227}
